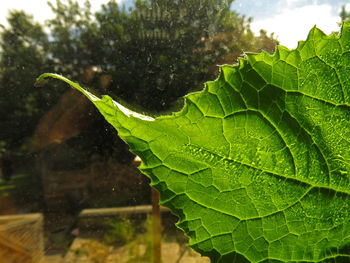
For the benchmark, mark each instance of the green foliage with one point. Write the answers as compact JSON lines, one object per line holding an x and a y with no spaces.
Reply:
{"x":257,"y":165}
{"x":119,"y":232}
{"x":23,"y":189}
{"x":22,"y":47}
{"x":149,"y":55}
{"x":162,"y":49}
{"x":344,"y":15}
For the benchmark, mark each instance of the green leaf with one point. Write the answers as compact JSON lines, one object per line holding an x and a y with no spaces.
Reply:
{"x":257,"y":165}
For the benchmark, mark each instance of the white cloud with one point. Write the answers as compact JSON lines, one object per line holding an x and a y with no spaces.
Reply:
{"x":292,"y":2}
{"x":293,"y":24}
{"x":39,"y":8}
{"x":347,"y":7}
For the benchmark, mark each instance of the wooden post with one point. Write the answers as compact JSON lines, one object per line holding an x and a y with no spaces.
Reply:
{"x":156,"y":222}
{"x":157,"y":228}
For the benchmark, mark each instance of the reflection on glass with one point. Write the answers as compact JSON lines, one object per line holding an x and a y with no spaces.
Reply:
{"x":66,"y":177}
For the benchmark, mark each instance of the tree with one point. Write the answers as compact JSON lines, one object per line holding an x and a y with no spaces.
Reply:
{"x":160,"y":50}
{"x":73,"y":38}
{"x":23,"y":56}
{"x":149,"y":55}
{"x":344,"y":15}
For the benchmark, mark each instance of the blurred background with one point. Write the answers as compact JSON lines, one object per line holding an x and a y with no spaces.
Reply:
{"x":58,"y":156}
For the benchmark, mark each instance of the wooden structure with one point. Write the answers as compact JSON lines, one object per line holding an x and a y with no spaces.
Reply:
{"x":96,"y":217}
{"x":90,"y":218}
{"x":21,"y":238}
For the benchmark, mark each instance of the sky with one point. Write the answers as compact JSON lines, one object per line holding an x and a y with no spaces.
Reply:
{"x":290,"y":20}
{"x":39,"y":8}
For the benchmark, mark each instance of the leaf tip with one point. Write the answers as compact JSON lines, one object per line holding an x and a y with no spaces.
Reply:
{"x":41,"y":81}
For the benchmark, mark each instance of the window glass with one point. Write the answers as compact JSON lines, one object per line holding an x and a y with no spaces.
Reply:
{"x":65,"y":174}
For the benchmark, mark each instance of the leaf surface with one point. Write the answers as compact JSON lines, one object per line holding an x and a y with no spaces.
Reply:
{"x":257,"y":165}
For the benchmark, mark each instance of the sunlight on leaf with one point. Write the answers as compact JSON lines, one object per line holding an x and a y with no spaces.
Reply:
{"x":257,"y":165}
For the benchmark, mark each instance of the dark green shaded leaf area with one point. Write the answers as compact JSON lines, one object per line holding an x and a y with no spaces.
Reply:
{"x":257,"y":165}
